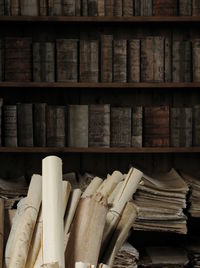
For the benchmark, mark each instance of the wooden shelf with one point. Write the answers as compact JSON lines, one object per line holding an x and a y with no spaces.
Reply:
{"x":52,"y":150}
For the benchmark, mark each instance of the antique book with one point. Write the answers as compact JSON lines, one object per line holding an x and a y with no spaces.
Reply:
{"x":7,"y":7}
{"x":137,"y":4}
{"x":1,"y":231}
{"x":137,"y":126}
{"x":185,"y":7}
{"x":196,"y":8}
{"x":109,"y":7}
{"x":147,"y":59}
{"x":1,"y":125}
{"x":134,"y":60}
{"x":10,"y":125}
{"x":1,"y":60}
{"x":67,"y":60}
{"x":57,"y":7}
{"x":156,"y":126}
{"x":99,"y":125}
{"x":14,"y":7}
{"x":84,"y":7}
{"x":158,"y":59}
{"x":29,"y":8}
{"x":101,"y":8}
{"x":165,"y":7}
{"x":40,"y":124}
{"x":120,"y":127}
{"x":182,"y":61}
{"x":44,"y":62}
{"x":69,"y":7}
{"x":146,"y":8}
{"x":43,"y":7}
{"x":128,"y":8}
{"x":168,"y":59}
{"x":196,"y":125}
{"x":56,"y":126}
{"x":2,"y":8}
{"x":106,"y":58}
{"x":18,"y":59}
{"x":89,"y":61}
{"x":78,"y":7}
{"x":181,"y":127}
{"x":78,"y":126}
{"x":196,"y":60}
{"x":120,"y":61}
{"x":118,"y":8}
{"x":92,"y":7}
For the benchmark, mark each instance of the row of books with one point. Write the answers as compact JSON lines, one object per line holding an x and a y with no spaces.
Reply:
{"x":100,"y":8}
{"x":100,"y":125}
{"x":151,"y":59}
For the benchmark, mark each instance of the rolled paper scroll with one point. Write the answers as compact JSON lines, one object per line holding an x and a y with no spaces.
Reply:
{"x":92,"y":187}
{"x":101,"y":265}
{"x":114,"y":193}
{"x":50,"y":265}
{"x":1,"y":230}
{"x":83,"y":265}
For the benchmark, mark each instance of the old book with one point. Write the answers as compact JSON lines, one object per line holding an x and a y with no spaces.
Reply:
{"x":137,"y":4}
{"x":156,"y":126}
{"x":25,"y":124}
{"x":43,"y":8}
{"x":196,"y":125}
{"x":101,"y":8}
{"x":109,"y":7}
{"x":147,"y":59}
{"x":57,"y":7}
{"x":128,"y":8}
{"x":106,"y":58}
{"x":1,"y":231}
{"x":137,"y":126}
{"x":165,"y":7}
{"x":182,"y":61}
{"x":146,"y":8}
{"x":158,"y":59}
{"x":78,"y":126}
{"x":7,"y":7}
{"x":196,"y":8}
{"x":1,"y":105}
{"x":196,"y":60}
{"x":67,"y":60}
{"x":78,"y":7}
{"x":89,"y":61}
{"x":168,"y":59}
{"x":120,"y":61}
{"x":84,"y":7}
{"x":69,"y":7}
{"x":40,"y":124}
{"x":1,"y":60}
{"x":118,"y":8}
{"x":181,"y":127}
{"x":56,"y":126}
{"x":99,"y":125}
{"x":2,"y":8}
{"x":10,"y":125}
{"x":29,"y":8}
{"x":14,"y":8}
{"x":134,"y":60}
{"x":185,"y":7}
{"x":44,"y":62}
{"x":92,"y":7}
{"x":120,"y":127}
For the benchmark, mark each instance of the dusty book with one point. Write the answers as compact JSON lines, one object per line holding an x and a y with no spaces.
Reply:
{"x":128,"y":8}
{"x":69,"y":7}
{"x":165,"y":7}
{"x":10,"y":125}
{"x":196,"y":8}
{"x":39,"y":124}
{"x":185,"y":7}
{"x":120,"y":61}
{"x":196,"y":60}
{"x":92,"y":7}
{"x":137,"y":126}
{"x":29,"y":8}
{"x":43,"y":8}
{"x":196,"y":125}
{"x":2,"y":8}
{"x":134,"y":60}
{"x":106,"y":58}
{"x":146,"y":7}
{"x":109,"y":7}
{"x":118,"y":8}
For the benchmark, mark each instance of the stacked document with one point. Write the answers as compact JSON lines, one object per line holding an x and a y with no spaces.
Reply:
{"x":193,"y":248}
{"x":161,"y":200}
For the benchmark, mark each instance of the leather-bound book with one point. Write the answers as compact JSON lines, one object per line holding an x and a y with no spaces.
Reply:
{"x":67,"y":60}
{"x":181,"y":127}
{"x":18,"y":59}
{"x":2,"y":8}
{"x":120,"y":61}
{"x":39,"y":124}
{"x":25,"y":124}
{"x":185,"y":7}
{"x":43,"y":10}
{"x":168,"y":59}
{"x":14,"y":7}
{"x":10,"y":125}
{"x":137,"y":7}
{"x":89,"y":61}
{"x":1,"y":60}
{"x":29,"y":7}
{"x":7,"y":8}
{"x":137,"y":126}
{"x":106,"y":58}
{"x":128,"y":8}
{"x":165,"y":7}
{"x":44,"y":62}
{"x":158,"y":59}
{"x":1,"y":112}
{"x":156,"y":126}
{"x":120,"y":127}
{"x":109,"y":8}
{"x":134,"y":60}
{"x":84,"y":7}
{"x":196,"y":60}
{"x":92,"y":8}
{"x":147,"y":59}
{"x":57,"y":7}
{"x":196,"y":126}
{"x":196,"y":8}
{"x":118,"y":8}
{"x":78,"y":126}
{"x":56,"y":126}
{"x":69,"y":7}
{"x":146,"y":8}
{"x":78,"y":7}
{"x":101,"y":7}
{"x":99,"y":125}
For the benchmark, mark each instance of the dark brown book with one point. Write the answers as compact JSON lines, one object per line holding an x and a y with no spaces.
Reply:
{"x":146,"y":8}
{"x":185,"y":7}
{"x":118,"y":8}
{"x":106,"y":58}
{"x":29,"y":8}
{"x":7,"y":7}
{"x":57,"y":8}
{"x":56,"y":126}
{"x":156,"y":126}
{"x":109,"y":7}
{"x":120,"y":61}
{"x":147,"y":59}
{"x":181,"y":127}
{"x":134,"y":61}
{"x":10,"y":125}
{"x":137,"y":7}
{"x":196,"y":125}
{"x":78,"y":7}
{"x":25,"y":124}
{"x":92,"y":8}
{"x":50,"y":7}
{"x":69,"y":7}
{"x":1,"y":60}
{"x":1,"y":112}
{"x":84,"y":7}
{"x":43,"y":11}
{"x":128,"y":8}
{"x":120,"y":127}
{"x":44,"y":62}
{"x":67,"y":60}
{"x":99,"y":125}
{"x":2,"y":8}
{"x":196,"y":8}
{"x":165,"y":7}
{"x":137,"y":126}
{"x":196,"y":60}
{"x":101,"y":7}
{"x":158,"y":59}
{"x":168,"y":59}
{"x":14,"y":8}
{"x":40,"y":124}
{"x":89,"y":61}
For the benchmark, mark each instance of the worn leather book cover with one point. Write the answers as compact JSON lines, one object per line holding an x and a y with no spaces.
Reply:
{"x":146,"y":7}
{"x":2,"y":8}
{"x":29,"y":8}
{"x":196,"y":8}
{"x":40,"y":124}
{"x":147,"y":59}
{"x":196,"y":125}
{"x":92,"y":8}
{"x":185,"y":7}
{"x":158,"y":59}
{"x":128,"y":8}
{"x":14,"y":7}
{"x":134,"y":60}
{"x":120,"y":61}
{"x":196,"y":60}
{"x":101,"y":7}
{"x":168,"y":59}
{"x":84,"y":8}
{"x":118,"y":8}
{"x":57,"y":7}
{"x":43,"y":8}
{"x":109,"y":7}
{"x":137,"y":126}
{"x":10,"y":125}
{"x":137,"y":4}
{"x":69,"y":7}
{"x":165,"y":7}
{"x":106,"y":58}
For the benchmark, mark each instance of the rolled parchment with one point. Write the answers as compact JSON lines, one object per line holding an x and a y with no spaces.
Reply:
{"x":101,"y":265}
{"x":52,"y":209}
{"x":83,"y":265}
{"x":51,"y":265}
{"x":120,"y":234}
{"x":27,"y":223}
{"x":1,"y":230}
{"x":92,"y":187}
{"x":114,"y":193}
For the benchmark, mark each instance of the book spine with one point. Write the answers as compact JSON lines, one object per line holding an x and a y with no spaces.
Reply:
{"x":186,"y":61}
{"x":84,"y":7}
{"x":25,"y":124}
{"x":158,"y":59}
{"x":2,"y":8}
{"x":128,"y":8}
{"x":78,"y":7}
{"x":29,"y":8}
{"x":137,"y":127}
{"x":196,"y":125}
{"x":137,"y":7}
{"x":147,"y":59}
{"x":69,"y":7}
{"x":99,"y":125}
{"x":50,"y":7}
{"x":57,"y":7}
{"x":120,"y":127}
{"x":134,"y":61}
{"x":118,"y":8}
{"x":176,"y":62}
{"x":120,"y":61}
{"x":10,"y":125}
{"x":185,"y":7}
{"x":1,"y":112}
{"x":7,"y":7}
{"x":43,"y":7}
{"x":106,"y":58}
{"x":67,"y":60}
{"x":92,"y":8}
{"x":165,"y":7}
{"x":109,"y":7}
{"x":196,"y":8}
{"x":168,"y":60}
{"x":49,"y":62}
{"x":40,"y":124}
{"x":1,"y":60}
{"x":196,"y":60}
{"x":14,"y":7}
{"x":146,"y":8}
{"x":37,"y":66}
{"x":101,"y":8}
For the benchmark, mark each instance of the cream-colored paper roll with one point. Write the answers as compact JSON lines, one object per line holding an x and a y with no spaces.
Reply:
{"x":83,"y":265}
{"x":1,"y":230}
{"x":27,"y":223}
{"x":114,"y":193}
{"x":92,"y":187}
{"x":50,"y":265}
{"x":52,"y":209}
{"x":101,"y":265}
